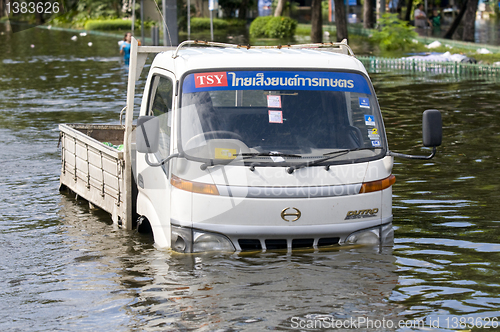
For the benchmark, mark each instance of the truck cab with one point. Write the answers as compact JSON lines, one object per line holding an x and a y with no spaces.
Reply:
{"x":262,"y":148}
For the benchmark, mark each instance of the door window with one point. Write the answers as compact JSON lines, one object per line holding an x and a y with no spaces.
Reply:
{"x":160,"y":105}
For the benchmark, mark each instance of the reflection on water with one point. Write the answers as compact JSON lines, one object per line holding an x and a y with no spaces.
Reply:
{"x":447,"y":244}
{"x":66,"y":267}
{"x":486,"y":31}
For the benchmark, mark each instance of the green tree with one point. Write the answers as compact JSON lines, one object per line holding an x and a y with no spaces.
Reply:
{"x":100,"y":8}
{"x":229,"y":6}
{"x":394,"y":34}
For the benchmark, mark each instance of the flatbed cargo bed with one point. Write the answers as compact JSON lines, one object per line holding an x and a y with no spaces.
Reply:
{"x":93,"y":170}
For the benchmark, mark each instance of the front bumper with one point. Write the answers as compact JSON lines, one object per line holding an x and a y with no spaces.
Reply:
{"x":216,"y":237}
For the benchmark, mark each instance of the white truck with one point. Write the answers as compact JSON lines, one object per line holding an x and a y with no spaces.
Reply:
{"x":245,"y":148}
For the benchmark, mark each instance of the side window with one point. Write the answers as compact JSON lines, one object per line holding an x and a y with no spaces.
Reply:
{"x":161,"y":97}
{"x":160,"y":105}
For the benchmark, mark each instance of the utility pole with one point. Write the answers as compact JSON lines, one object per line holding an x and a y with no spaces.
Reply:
{"x":170,"y":32}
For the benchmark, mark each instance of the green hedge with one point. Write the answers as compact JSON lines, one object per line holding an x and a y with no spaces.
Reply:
{"x":203,"y":23}
{"x":273,"y":27}
{"x":281,"y":27}
{"x":113,"y":24}
{"x":257,"y":28}
{"x":236,"y":23}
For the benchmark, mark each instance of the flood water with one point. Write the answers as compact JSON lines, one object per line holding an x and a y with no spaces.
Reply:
{"x":65,"y":267}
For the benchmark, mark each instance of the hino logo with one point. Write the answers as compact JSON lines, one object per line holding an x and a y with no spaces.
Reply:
{"x":359,"y":214}
{"x":285,"y":214}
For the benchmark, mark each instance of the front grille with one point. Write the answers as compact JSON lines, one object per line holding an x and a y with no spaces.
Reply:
{"x":328,"y":241}
{"x":302,"y":243}
{"x":274,"y":244}
{"x":246,"y":244}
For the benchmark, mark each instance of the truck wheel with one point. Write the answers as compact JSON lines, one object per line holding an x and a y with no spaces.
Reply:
{"x":143,"y":225}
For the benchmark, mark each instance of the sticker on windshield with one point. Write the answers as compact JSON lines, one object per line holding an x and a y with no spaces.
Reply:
{"x":275,"y":116}
{"x":206,"y":80}
{"x":370,"y":120}
{"x":376,"y":143}
{"x":364,"y":102}
{"x":373,"y":134}
{"x":278,"y":81}
{"x":221,"y":153}
{"x":274,"y":101}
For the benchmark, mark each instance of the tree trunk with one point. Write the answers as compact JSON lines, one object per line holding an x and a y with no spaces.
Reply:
{"x":368,"y":21}
{"x":198,"y":5}
{"x":39,"y":18}
{"x":340,"y":20}
{"x":39,"y":15}
{"x":242,"y":12}
{"x":279,"y":8}
{"x":470,"y":21}
{"x":408,"y":11}
{"x":316,"y":22}
{"x":456,"y":22}
{"x":399,"y":8}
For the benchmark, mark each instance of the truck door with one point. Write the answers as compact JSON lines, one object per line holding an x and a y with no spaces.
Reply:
{"x":153,"y":200}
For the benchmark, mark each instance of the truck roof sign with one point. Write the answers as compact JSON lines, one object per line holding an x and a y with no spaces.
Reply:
{"x":276,"y":80}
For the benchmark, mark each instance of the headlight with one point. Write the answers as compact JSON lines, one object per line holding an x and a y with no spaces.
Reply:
{"x":187,"y":240}
{"x":204,"y":241}
{"x":364,"y":237}
{"x":182,"y":239}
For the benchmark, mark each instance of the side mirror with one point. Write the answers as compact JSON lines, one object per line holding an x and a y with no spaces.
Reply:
{"x":432,"y":134}
{"x":432,"y":128}
{"x":147,"y":134}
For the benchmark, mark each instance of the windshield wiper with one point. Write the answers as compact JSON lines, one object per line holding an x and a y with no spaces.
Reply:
{"x":329,"y":155}
{"x":213,"y":162}
{"x":268,"y":154}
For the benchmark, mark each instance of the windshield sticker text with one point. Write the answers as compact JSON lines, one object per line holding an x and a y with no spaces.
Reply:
{"x":210,"y":80}
{"x":373,"y":133}
{"x":278,"y":80}
{"x":295,"y":81}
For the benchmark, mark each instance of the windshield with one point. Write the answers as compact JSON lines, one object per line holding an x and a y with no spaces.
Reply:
{"x":279,"y":116}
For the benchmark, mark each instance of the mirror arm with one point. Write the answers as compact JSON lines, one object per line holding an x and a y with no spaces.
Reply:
{"x":409,"y":156}
{"x":161,"y":162}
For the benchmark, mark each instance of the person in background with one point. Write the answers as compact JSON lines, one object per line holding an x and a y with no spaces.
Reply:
{"x":436,"y":19}
{"x":393,"y":6}
{"x":420,"y":17}
{"x":125,"y":48}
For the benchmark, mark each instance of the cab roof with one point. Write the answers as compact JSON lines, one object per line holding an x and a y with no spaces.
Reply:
{"x":185,"y":60}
